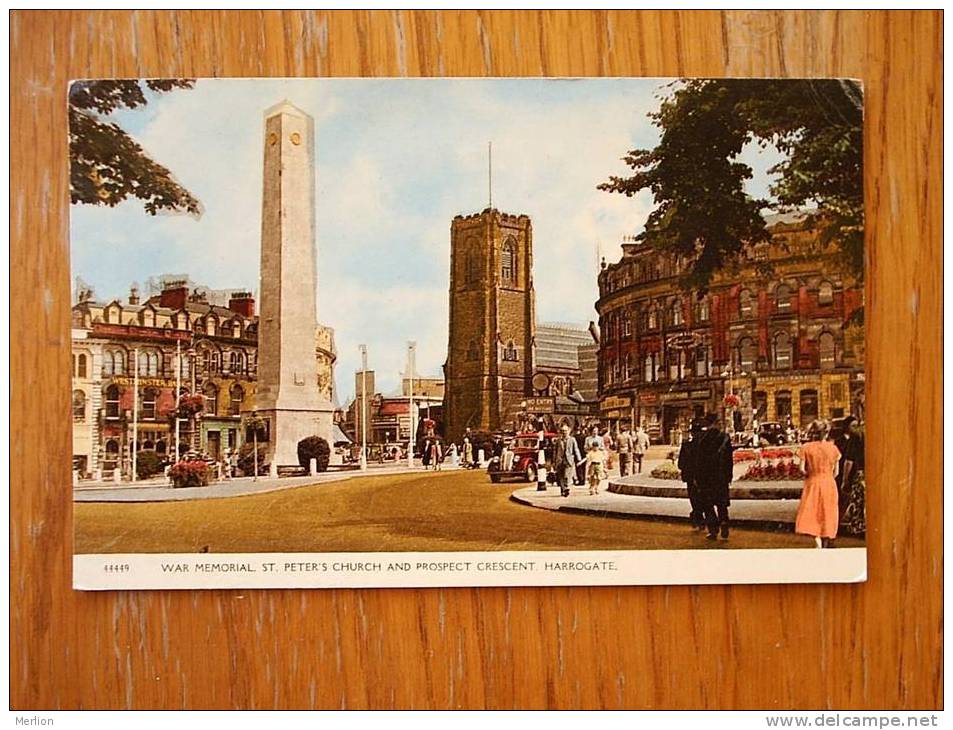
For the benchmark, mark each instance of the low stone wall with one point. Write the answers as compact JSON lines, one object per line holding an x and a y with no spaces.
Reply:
{"x":646,"y":486}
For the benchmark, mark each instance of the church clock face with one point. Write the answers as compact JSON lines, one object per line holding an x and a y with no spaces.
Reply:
{"x":272,"y":138}
{"x":295,"y":138}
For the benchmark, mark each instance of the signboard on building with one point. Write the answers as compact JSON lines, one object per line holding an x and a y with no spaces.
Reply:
{"x":684,"y":341}
{"x":144,"y":382}
{"x":615,"y":402}
{"x":648,"y":399}
{"x":541,"y":404}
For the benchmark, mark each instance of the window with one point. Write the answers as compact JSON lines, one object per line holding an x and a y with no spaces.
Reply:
{"x":782,"y":404}
{"x":746,"y":354}
{"x":236,"y":362}
{"x":236,"y":330}
{"x":509,"y":352}
{"x":648,"y":368}
{"x":211,"y":399}
{"x":472,"y":262}
{"x":702,"y":310}
{"x":826,"y":348}
{"x":701,"y":361}
{"x":149,"y":396}
{"x":747,"y":307}
{"x":211,"y":325}
{"x":112,"y":454}
{"x":508,"y":266}
{"x":235,"y":397}
{"x":79,"y":406}
{"x":473,"y":353}
{"x":148,"y":318}
{"x":149,"y":363}
{"x":674,"y":364}
{"x":652,"y":318}
{"x":628,"y":367}
{"x":782,"y":296}
{"x":112,"y":401}
{"x":211,"y":360}
{"x":837,"y":392}
{"x":79,"y":365}
{"x":627,"y":325}
{"x":677,"y":313}
{"x":782,"y":351}
{"x":825,"y":293}
{"x":113,"y":362}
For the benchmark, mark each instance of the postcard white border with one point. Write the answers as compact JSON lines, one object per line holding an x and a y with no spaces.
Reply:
{"x":184,"y":571}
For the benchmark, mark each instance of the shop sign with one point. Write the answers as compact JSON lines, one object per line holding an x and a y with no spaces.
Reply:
{"x":614,"y":414}
{"x":648,"y":399}
{"x":583,"y":409}
{"x":675,"y":395}
{"x":144,"y":382}
{"x":684,"y":341}
{"x":615,"y":402}
{"x":701,"y":394}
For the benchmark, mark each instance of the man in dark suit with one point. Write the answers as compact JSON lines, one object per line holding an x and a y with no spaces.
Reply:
{"x":713,"y":474}
{"x":565,"y":458}
{"x":688,"y":466}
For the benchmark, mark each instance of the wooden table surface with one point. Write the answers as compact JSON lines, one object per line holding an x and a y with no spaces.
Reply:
{"x":873,"y":645}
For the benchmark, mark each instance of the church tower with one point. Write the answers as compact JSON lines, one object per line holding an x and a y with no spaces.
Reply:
{"x":489,"y":366}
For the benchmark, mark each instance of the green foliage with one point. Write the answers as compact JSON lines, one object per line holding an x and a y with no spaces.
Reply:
{"x":314,"y":447}
{"x":246,"y":459}
{"x":702,"y":212}
{"x":148,"y":464}
{"x":666,"y":470}
{"x":106,"y":164}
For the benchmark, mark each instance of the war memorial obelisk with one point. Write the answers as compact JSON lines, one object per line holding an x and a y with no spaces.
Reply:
{"x":288,"y":397}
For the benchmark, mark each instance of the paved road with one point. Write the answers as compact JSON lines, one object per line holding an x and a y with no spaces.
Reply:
{"x":425,"y":511}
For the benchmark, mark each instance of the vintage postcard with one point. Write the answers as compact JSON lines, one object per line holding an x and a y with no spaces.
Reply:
{"x":461,"y":332}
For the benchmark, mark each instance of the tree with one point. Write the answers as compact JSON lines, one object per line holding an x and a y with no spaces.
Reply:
{"x":106,"y":164}
{"x":314,"y":447}
{"x":702,"y":211}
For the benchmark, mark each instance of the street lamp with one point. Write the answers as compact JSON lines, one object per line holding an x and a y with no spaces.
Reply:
{"x":411,"y":368}
{"x":363,"y":349}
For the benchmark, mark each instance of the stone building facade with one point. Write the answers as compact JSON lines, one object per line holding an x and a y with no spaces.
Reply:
{"x":786,"y":344}
{"x":489,"y":365}
{"x":218,"y":359}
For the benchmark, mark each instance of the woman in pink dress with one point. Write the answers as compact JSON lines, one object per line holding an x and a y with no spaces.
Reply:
{"x":818,"y":514}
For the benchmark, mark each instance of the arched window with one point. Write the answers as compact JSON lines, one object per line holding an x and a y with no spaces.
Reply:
{"x":702,"y":310}
{"x":676,"y":317}
{"x":112,"y":454}
{"x":782,"y":297}
{"x":79,"y":406}
{"x":746,"y":354}
{"x":148,"y":363}
{"x":674,"y":364}
{"x":81,"y":369}
{"x":198,"y":326}
{"x":211,"y":360}
{"x":148,"y":404}
{"x":114,"y":362}
{"x":652,"y":318}
{"x":648,"y":368}
{"x":211,"y":325}
{"x":826,"y":349}
{"x":782,"y":351}
{"x":628,"y":367}
{"x":236,"y":362}
{"x":472,"y":262}
{"x":701,"y":361}
{"x":825,"y":293}
{"x":160,"y":446}
{"x":626,"y":324}
{"x":509,"y":352}
{"x":235,"y":397}
{"x":747,"y":306}
{"x":508,"y":262}
{"x":211,"y":399}
{"x":112,"y":401}
{"x":236,"y":329}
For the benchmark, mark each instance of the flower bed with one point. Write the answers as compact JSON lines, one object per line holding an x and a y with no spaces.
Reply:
{"x":666,"y":471}
{"x":765,"y":454}
{"x":782,"y":471}
{"x":190,"y":474}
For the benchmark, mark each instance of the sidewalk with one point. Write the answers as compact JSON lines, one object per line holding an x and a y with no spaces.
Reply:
{"x":160,"y":490}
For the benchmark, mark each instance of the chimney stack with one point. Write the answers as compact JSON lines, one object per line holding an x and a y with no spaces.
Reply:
{"x":174,"y":295}
{"x":243,"y":303}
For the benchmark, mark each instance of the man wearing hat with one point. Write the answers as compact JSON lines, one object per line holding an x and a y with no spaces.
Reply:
{"x":565,"y":459}
{"x":688,"y":466}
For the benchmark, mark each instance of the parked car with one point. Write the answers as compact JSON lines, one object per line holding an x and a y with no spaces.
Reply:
{"x":524,"y":462}
{"x":770,"y":433}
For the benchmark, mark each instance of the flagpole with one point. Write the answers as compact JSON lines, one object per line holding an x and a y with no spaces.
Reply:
{"x":363,"y":407}
{"x":489,"y":154}
{"x":178,"y":388}
{"x":135,"y":413}
{"x":410,"y":403}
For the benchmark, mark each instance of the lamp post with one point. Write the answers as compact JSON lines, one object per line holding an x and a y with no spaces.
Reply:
{"x":135,"y":413}
{"x":411,"y":368}
{"x":363,"y":349}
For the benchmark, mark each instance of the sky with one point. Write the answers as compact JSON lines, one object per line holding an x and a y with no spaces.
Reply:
{"x":396,"y":160}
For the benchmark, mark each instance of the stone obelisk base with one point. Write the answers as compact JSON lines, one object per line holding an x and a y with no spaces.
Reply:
{"x":288,"y":427}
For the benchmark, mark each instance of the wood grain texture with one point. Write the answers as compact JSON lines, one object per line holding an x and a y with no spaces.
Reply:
{"x":876,"y":645}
